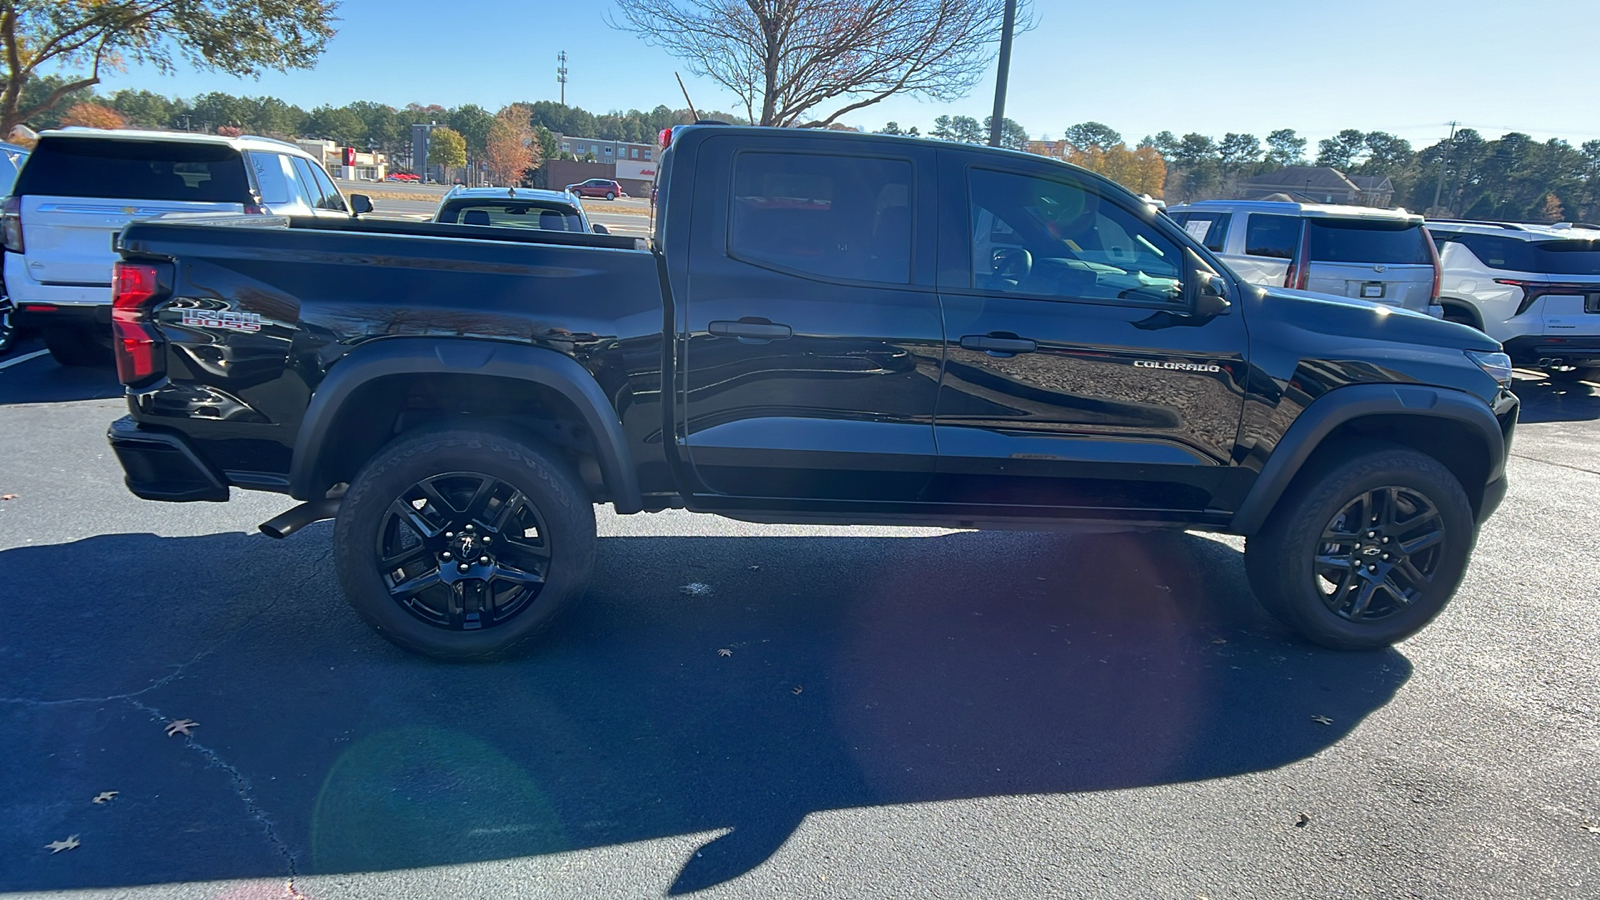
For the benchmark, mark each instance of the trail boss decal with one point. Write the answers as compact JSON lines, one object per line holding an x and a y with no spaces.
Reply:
{"x":232,"y":321}
{"x":1186,"y":367}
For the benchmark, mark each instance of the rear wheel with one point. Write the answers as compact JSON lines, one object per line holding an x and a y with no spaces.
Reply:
{"x":75,"y":347}
{"x":1365,"y":553}
{"x":610,"y":195}
{"x":8,"y":333}
{"x":463,"y":545}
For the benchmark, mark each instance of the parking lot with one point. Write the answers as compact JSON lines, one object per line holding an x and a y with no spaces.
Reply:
{"x":898,"y":713}
{"x":627,"y":216}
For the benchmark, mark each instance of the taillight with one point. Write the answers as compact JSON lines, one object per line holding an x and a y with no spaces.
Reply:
{"x":1299,"y":274}
{"x":137,"y":343}
{"x":1438,"y":267}
{"x":665,"y":138}
{"x":11,"y":224}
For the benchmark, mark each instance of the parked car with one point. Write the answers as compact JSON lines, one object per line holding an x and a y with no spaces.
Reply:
{"x":82,"y":185}
{"x":1533,"y":288}
{"x":596,"y":187}
{"x":834,"y":341}
{"x":402,"y":176}
{"x":1380,"y":255}
{"x":11,"y":159}
{"x":515,"y":208}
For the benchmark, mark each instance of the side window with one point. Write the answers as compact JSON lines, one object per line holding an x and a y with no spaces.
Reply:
{"x":331,"y":198}
{"x":1272,"y":236}
{"x":1499,"y":253}
{"x":1056,"y":239}
{"x":308,"y":183}
{"x":270,"y":177}
{"x":1209,"y":228}
{"x":835,"y":216}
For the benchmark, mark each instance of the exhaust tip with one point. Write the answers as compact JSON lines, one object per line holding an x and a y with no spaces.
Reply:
{"x":292,"y":520}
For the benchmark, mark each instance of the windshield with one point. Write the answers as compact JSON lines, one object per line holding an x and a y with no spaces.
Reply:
{"x":1367,"y":242}
{"x":514,"y":214}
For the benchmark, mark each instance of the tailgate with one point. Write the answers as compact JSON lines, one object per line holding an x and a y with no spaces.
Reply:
{"x":1568,"y":306}
{"x":1409,"y":286}
{"x":68,"y":239}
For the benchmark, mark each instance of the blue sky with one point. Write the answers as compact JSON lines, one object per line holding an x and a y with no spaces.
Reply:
{"x":1212,"y":66}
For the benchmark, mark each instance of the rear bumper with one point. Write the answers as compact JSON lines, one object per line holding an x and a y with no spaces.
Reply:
{"x":1536,"y":349}
{"x":160,"y":465}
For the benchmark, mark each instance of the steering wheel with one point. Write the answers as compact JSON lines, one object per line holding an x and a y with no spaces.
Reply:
{"x":1013,"y":264}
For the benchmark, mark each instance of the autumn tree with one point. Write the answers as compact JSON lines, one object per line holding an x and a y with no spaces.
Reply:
{"x":784,"y":58}
{"x":94,"y":115}
{"x":447,"y":148}
{"x":511,"y":148}
{"x":1141,"y":170}
{"x":240,"y":37}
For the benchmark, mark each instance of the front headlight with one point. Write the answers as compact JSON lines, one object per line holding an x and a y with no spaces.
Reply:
{"x":1497,"y":365}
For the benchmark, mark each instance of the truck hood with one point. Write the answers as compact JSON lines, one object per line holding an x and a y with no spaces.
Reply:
{"x":1364,"y":321}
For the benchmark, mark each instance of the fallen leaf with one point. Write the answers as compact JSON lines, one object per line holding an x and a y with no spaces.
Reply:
{"x":104,"y":797}
{"x":1322,"y":720}
{"x":182,"y":726}
{"x":1304,"y":820}
{"x":8,"y":496}
{"x":796,"y":689}
{"x":724,"y":652}
{"x":58,"y":846}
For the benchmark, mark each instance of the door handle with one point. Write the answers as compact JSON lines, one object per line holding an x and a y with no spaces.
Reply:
{"x":995,"y":344}
{"x":758,"y":329}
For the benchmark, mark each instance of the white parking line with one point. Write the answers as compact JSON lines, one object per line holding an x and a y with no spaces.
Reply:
{"x":22,"y":359}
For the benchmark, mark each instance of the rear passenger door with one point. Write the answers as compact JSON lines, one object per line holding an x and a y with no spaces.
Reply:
{"x":1269,"y":247}
{"x":810,"y":338}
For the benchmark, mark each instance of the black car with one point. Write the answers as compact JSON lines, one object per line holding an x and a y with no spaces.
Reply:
{"x":824,"y":328}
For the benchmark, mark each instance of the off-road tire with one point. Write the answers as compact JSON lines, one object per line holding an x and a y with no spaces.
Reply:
{"x":75,"y":347}
{"x":1281,"y":560}
{"x":542,"y":476}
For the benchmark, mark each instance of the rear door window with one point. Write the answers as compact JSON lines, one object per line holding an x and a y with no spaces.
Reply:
{"x":845,"y":217}
{"x":1272,"y":236}
{"x":135,"y":170}
{"x":1368,"y":242}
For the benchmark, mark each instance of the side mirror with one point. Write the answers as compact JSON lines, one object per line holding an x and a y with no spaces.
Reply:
{"x":1211,"y":296}
{"x":360,"y":203}
{"x":601,"y":229}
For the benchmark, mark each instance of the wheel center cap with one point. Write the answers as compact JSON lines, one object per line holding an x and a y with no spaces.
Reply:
{"x":466,"y":546}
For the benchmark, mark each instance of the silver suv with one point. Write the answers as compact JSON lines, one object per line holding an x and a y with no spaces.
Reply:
{"x":1381,"y":255}
{"x":1533,"y":288}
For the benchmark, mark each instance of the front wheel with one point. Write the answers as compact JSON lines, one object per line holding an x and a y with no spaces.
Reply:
{"x":463,"y":545}
{"x":1366,"y":552}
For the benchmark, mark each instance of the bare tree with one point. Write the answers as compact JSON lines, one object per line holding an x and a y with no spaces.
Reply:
{"x":784,"y":58}
{"x":240,"y":37}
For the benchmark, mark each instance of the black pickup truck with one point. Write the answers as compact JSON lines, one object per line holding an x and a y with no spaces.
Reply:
{"x":823,"y":328}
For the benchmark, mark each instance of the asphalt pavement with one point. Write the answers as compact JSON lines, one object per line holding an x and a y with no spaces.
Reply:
{"x":758,"y":711}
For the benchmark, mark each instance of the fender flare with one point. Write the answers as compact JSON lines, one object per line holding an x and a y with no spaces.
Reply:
{"x":464,"y":356}
{"x":1344,"y":404}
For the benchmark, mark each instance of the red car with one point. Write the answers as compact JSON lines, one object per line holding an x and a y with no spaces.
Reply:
{"x":402,"y":176}
{"x":596,"y":187}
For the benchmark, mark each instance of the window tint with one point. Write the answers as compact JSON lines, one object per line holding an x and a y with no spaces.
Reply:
{"x":135,"y":170}
{"x":1356,"y":241}
{"x":331,"y":198}
{"x":1209,"y":228}
{"x":1035,"y":236}
{"x":10,"y":163}
{"x":308,"y":182}
{"x":1274,"y":236}
{"x":1567,"y":257}
{"x":504,"y":214}
{"x":270,"y":177}
{"x":835,"y":216}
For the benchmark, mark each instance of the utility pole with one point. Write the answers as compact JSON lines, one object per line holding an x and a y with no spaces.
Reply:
{"x":1444,"y":163}
{"x":998,"y":119}
{"x":561,"y":75}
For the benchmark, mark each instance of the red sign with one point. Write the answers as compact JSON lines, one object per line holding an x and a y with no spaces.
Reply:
{"x":349,"y":156}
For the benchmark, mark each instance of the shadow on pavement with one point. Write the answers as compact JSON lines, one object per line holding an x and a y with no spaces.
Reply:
{"x":863,"y":671}
{"x":43,"y":380}
{"x":1557,"y":401}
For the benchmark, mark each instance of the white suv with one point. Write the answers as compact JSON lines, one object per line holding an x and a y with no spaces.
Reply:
{"x":82,"y":185}
{"x":1533,"y":288}
{"x":1381,"y":255}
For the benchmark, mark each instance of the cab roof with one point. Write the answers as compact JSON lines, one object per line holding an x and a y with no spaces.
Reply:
{"x":243,"y":142}
{"x":1306,"y":210}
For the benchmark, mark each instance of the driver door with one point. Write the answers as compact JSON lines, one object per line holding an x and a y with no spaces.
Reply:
{"x":1075,"y":376}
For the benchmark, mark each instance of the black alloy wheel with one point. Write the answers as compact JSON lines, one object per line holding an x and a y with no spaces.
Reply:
{"x":8,"y":331}
{"x":1379,"y":554}
{"x":464,"y":544}
{"x":463,"y":551}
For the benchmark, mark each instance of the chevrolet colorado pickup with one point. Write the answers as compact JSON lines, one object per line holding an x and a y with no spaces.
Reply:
{"x":822,"y":328}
